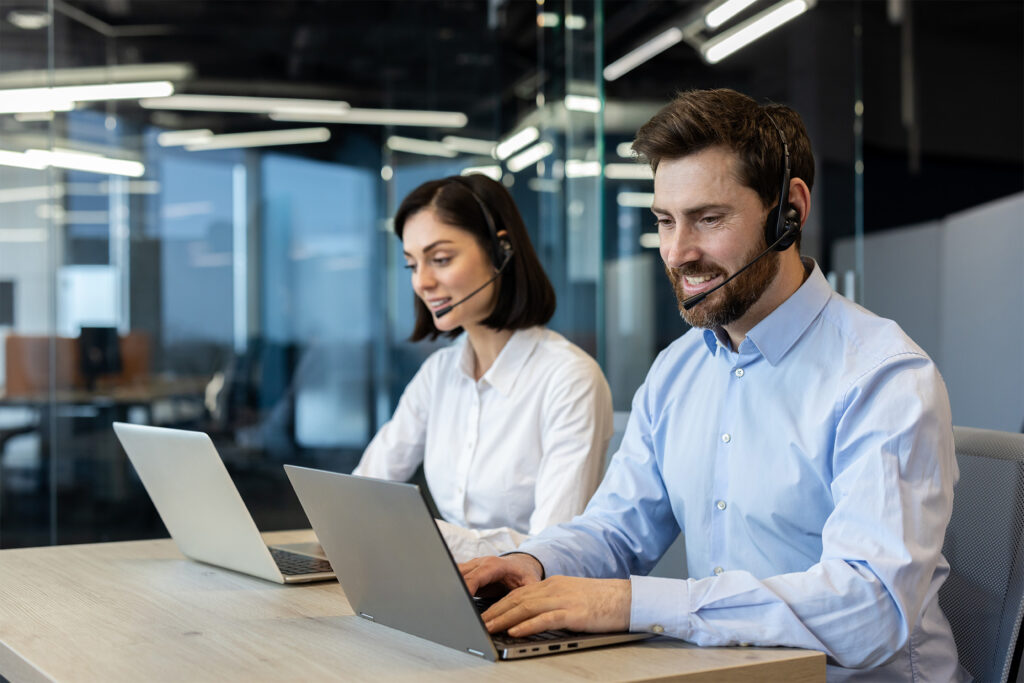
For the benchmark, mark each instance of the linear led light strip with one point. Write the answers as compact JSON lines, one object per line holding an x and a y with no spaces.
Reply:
{"x":398,"y":143}
{"x":492,"y":172}
{"x":246,"y":105}
{"x":721,"y":46}
{"x":25,"y":100}
{"x":516,"y":142}
{"x":725,"y":11}
{"x":379,"y":117}
{"x":530,"y":155}
{"x":39,"y":159}
{"x":265,"y":138}
{"x":631,"y":60}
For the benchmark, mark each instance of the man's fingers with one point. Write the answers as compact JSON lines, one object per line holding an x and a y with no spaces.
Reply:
{"x":547,"y":621}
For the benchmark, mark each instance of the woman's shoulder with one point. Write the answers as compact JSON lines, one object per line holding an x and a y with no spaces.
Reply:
{"x":560,"y":356}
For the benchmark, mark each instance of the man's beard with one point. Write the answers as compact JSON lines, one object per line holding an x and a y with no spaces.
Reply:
{"x":731,"y":302}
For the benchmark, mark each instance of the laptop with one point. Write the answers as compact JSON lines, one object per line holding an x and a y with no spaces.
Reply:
{"x":201,"y":508}
{"x":396,"y":570}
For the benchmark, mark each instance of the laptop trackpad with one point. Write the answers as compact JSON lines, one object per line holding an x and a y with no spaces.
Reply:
{"x":311,"y":549}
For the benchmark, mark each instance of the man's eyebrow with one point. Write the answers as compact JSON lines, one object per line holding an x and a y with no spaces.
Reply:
{"x":432,"y":245}
{"x":696,"y":209}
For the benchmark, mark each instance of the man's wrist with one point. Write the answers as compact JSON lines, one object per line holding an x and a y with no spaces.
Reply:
{"x":540,"y":565}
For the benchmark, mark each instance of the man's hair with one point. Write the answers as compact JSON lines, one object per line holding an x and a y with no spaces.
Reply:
{"x":699,"y":119}
{"x":525,"y":295}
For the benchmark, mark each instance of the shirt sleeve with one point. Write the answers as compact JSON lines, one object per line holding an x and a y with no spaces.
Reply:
{"x":397,"y":449}
{"x":576,"y":428}
{"x":893,"y":475}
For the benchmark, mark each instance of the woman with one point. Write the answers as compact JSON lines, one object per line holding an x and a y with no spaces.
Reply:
{"x":511,"y":422}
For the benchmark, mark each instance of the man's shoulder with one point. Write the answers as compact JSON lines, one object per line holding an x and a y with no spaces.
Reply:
{"x":862,"y":336}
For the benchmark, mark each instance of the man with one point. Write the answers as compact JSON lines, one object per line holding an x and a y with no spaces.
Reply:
{"x":803,"y":445}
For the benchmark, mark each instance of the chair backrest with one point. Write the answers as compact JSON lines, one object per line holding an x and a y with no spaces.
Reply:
{"x":983,"y":598}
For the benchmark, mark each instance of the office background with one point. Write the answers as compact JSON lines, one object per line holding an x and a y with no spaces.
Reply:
{"x":154,"y":271}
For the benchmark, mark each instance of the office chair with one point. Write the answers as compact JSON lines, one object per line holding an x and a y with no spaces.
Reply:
{"x":983,"y":598}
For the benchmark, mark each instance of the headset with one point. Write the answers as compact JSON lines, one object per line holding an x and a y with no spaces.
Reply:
{"x":781,"y":228}
{"x":783,"y":224}
{"x":501,"y":247}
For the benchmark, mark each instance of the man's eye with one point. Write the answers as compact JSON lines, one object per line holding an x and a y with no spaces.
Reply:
{"x":710,"y":220}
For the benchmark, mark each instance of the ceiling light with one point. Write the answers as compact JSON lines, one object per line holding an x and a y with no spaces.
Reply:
{"x":468,"y":145}
{"x":62,"y":98}
{"x":654,"y":46}
{"x":650,"y":240}
{"x":576,"y":168}
{"x":583,"y":103}
{"x":530,"y":156}
{"x":20,"y":160}
{"x":381,"y":117}
{"x":516,"y":142}
{"x":575,"y":22}
{"x":641,"y":200}
{"x":628,"y":172}
{"x":263,"y":138}
{"x":246,"y":105}
{"x":84,"y":161}
{"x":721,"y":46}
{"x":177,"y":138}
{"x":29,"y":19}
{"x":725,"y":11}
{"x":116,"y":73}
{"x":430,"y":148}
{"x":624,"y":150}
{"x":492,"y":172}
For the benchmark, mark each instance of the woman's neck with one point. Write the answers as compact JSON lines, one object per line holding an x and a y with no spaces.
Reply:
{"x":486,"y":343}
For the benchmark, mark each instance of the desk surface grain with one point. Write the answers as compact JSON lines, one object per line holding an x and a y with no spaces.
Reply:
{"x":140,"y":611}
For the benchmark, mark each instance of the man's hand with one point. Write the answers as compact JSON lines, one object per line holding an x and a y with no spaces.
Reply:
{"x":593,"y":605}
{"x":511,"y":571}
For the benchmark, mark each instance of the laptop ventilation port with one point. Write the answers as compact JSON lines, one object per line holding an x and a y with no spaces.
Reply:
{"x":554,"y":647}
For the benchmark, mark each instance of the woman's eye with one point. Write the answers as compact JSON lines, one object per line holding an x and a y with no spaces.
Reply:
{"x":410,"y":266}
{"x":442,"y":260}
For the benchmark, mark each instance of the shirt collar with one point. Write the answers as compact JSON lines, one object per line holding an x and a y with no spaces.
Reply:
{"x":779,"y":331}
{"x":510,"y":361}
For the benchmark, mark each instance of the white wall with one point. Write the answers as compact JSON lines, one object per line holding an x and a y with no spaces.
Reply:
{"x":956,"y":286}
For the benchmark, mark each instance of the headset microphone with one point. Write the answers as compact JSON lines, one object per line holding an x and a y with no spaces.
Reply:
{"x":692,"y":301}
{"x":781,"y":228}
{"x":507,"y":249}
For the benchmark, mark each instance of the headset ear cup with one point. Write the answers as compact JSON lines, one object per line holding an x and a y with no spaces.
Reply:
{"x":506,"y":248}
{"x":790,"y":229}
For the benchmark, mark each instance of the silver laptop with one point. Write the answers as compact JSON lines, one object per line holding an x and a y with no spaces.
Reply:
{"x":396,"y":569}
{"x":201,"y":508}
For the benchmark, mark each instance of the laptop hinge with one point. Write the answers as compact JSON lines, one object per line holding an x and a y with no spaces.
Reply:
{"x":364,"y":615}
{"x":476,"y":652}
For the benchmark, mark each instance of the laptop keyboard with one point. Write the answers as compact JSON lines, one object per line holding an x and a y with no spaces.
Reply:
{"x":294,"y":564}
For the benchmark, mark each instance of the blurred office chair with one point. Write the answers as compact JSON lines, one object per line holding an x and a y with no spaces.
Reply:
{"x":983,"y":598}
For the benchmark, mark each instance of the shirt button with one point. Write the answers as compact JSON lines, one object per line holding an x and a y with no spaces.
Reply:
{"x":738,"y":372}
{"x":720,"y":505}
{"x":726,"y":438}
{"x":657,"y":628}
{"x":718,"y":571}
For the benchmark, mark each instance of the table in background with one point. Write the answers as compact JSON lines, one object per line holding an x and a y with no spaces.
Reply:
{"x":138,"y":610}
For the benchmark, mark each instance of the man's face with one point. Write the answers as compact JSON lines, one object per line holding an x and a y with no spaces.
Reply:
{"x":710,"y":225}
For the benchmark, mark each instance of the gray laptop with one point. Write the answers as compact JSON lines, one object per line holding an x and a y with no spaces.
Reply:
{"x":396,"y":569}
{"x":201,"y":508}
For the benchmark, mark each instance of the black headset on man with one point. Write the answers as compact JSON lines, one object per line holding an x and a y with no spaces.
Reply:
{"x":501,"y":248}
{"x":780,"y":229}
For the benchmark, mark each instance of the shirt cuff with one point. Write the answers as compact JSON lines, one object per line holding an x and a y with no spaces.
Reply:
{"x":660,"y":605}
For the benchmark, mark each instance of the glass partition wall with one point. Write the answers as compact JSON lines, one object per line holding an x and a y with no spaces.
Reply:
{"x":195,"y":205}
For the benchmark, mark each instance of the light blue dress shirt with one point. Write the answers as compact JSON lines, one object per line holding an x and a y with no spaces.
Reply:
{"x":812,"y":474}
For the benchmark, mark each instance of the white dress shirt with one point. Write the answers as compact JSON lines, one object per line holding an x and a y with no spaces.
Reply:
{"x":507,"y":455}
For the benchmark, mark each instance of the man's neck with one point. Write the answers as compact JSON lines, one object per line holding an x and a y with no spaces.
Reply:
{"x":791,"y":275}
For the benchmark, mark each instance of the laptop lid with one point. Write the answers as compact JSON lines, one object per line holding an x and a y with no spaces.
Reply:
{"x":390,"y":557}
{"x":196,"y":499}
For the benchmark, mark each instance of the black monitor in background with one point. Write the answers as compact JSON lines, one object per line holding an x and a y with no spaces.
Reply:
{"x":99,"y":353}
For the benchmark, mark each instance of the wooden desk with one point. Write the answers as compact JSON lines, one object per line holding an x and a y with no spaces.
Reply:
{"x":139,"y":611}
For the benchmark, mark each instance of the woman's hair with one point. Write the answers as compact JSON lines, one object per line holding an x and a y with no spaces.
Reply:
{"x":525,"y":295}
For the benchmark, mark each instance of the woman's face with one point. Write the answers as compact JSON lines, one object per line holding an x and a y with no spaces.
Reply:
{"x":447,"y":263}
